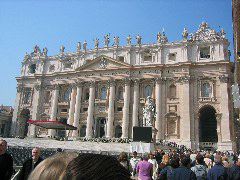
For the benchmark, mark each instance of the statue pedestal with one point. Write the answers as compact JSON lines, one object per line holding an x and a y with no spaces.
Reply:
{"x":141,"y":147}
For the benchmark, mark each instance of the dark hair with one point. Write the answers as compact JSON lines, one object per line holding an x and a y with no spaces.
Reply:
{"x":174,"y":162}
{"x":185,"y":161}
{"x":96,"y":166}
{"x":200,"y":159}
{"x":122,"y":157}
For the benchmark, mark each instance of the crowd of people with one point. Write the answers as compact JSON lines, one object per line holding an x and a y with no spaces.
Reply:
{"x":158,"y":165}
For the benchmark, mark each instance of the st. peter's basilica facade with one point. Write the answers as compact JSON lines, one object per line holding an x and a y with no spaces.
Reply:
{"x":102,"y":91}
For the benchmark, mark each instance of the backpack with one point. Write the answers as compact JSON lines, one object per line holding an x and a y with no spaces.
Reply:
{"x":200,"y":172}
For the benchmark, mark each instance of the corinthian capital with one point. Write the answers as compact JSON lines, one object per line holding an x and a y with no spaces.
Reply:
{"x":223,"y":79}
{"x":19,"y":88}
{"x":92,"y":84}
{"x":111,"y":82}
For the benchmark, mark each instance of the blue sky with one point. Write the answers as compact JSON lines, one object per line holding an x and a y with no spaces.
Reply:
{"x":52,"y":23}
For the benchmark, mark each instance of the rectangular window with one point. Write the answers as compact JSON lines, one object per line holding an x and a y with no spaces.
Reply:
{"x":63,"y":110}
{"x":172,"y":56}
{"x":205,"y":52}
{"x":121,"y":58}
{"x":119,"y":109}
{"x":68,"y":65}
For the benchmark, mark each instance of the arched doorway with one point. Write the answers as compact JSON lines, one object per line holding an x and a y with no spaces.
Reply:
{"x":208,"y":136}
{"x":23,"y":123}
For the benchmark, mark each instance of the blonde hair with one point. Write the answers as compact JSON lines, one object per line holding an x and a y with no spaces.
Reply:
{"x":53,"y":168}
{"x":165,"y":159}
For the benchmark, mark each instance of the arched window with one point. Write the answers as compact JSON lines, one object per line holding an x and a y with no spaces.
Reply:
{"x":103,"y":93}
{"x":120,"y":92}
{"x":206,"y":90}
{"x":148,"y":91}
{"x":66,"y":95}
{"x":172,"y":91}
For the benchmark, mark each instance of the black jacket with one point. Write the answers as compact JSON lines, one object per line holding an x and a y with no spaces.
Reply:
{"x":183,"y":173}
{"x":27,"y":168}
{"x":234,"y":172}
{"x":6,"y":166}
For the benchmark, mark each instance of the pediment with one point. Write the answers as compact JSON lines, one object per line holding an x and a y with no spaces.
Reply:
{"x":103,"y":63}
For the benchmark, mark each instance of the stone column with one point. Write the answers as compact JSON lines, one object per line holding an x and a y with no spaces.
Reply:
{"x":185,"y":125}
{"x":14,"y":127}
{"x":77,"y":110}
{"x":111,"y":110}
{"x":72,"y":106}
{"x":135,"y":103}
{"x":225,"y":143}
{"x":54,"y":108}
{"x":35,"y":111}
{"x":158,"y":124}
{"x":218,"y":119}
{"x":91,"y":101}
{"x":125,"y":120}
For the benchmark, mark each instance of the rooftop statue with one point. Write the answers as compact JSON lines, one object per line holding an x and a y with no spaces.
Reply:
{"x":62,"y":48}
{"x":96,"y":43}
{"x":106,"y":40}
{"x":159,"y":37}
{"x":26,"y":57}
{"x":37,"y":49}
{"x":139,"y":39}
{"x":45,"y":51}
{"x":185,"y":34}
{"x":164,"y":38}
{"x":78,"y":46}
{"x":85,"y":46}
{"x":129,"y":40}
{"x":116,"y":41}
{"x":222,"y":33}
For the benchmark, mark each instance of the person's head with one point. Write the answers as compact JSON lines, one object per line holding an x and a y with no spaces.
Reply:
{"x":35,"y":153}
{"x":53,"y":168}
{"x":150,"y":156}
{"x":238,"y":161}
{"x":199,"y":159}
{"x":96,"y":166}
{"x":3,"y":146}
{"x":123,"y":157}
{"x":165,"y":159}
{"x":174,"y":162}
{"x":217,"y":158}
{"x":185,"y":161}
{"x":135,"y":154}
{"x":208,"y":155}
{"x":225,"y":158}
{"x":145,"y":157}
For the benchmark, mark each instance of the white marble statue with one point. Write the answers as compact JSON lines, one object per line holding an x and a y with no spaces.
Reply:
{"x":106,"y":40}
{"x":116,"y":41}
{"x":185,"y":34}
{"x":96,"y":43}
{"x":139,"y":39}
{"x":159,"y":36}
{"x":62,"y":48}
{"x":85,"y":46}
{"x":78,"y":46}
{"x":129,"y":40}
